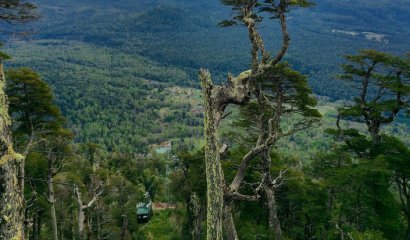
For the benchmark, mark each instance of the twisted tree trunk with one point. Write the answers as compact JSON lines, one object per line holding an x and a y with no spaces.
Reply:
{"x":217,"y":98}
{"x":11,"y":214}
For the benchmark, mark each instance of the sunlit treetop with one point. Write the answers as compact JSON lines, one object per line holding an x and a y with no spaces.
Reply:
{"x":272,"y":7}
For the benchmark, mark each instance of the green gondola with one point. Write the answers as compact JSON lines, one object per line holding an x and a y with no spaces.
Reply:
{"x":144,"y":212}
{"x":144,"y":209}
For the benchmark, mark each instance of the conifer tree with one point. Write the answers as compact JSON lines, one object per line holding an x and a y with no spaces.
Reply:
{"x":32,"y":108}
{"x":383,"y":86}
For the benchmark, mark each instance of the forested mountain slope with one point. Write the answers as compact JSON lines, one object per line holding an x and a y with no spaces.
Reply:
{"x":122,"y":57}
{"x":276,"y":160}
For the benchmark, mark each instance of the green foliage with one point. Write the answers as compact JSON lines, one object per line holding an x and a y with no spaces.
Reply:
{"x":122,"y":111}
{"x":165,"y":225}
{"x":4,"y":56}
{"x":256,"y":7}
{"x":128,"y":108}
{"x":294,"y":88}
{"x":31,"y":103}
{"x":368,"y":235}
{"x":16,"y":11}
{"x":384,"y":90}
{"x":365,"y":164}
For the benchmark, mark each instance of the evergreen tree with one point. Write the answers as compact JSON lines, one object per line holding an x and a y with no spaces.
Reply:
{"x":32,"y":108}
{"x":384,"y":89}
{"x":282,"y":94}
{"x":363,"y":184}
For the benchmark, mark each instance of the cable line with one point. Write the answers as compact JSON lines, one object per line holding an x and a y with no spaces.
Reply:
{"x":46,"y":181}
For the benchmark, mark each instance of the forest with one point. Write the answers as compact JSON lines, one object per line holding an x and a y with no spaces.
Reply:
{"x":191,"y":119}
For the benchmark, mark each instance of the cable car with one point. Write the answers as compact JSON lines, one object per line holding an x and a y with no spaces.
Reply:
{"x":144,"y":209}
{"x":144,"y":212}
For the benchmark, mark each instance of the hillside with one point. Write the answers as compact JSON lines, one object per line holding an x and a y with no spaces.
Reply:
{"x":111,"y":128}
{"x":123,"y":51}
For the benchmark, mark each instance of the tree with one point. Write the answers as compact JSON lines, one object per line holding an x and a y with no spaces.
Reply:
{"x":397,"y":154}
{"x":384,"y":86}
{"x":57,"y":148}
{"x":282,"y":95}
{"x":34,"y":114}
{"x":81,"y":207}
{"x":11,"y":220}
{"x":238,"y":90}
{"x":32,"y":108}
{"x":189,"y":186}
{"x":384,"y":92}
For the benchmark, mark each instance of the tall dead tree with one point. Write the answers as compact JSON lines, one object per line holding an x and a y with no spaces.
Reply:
{"x":238,"y":91}
{"x":81,"y":208}
{"x":51,"y":198}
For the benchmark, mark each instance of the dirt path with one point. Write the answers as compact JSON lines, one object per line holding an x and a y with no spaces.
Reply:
{"x":162,"y":206}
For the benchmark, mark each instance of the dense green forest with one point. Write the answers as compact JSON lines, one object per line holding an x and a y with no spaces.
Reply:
{"x":114,"y":45}
{"x":294,"y":129}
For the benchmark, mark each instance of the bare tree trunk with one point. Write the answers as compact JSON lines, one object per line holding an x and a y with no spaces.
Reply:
{"x":81,"y":208}
{"x":125,"y":231}
{"x":34,"y":228}
{"x":37,"y":225}
{"x":214,"y":175}
{"x":11,"y":214}
{"x":81,"y":216}
{"x":374,"y":129}
{"x":89,"y":228}
{"x":28,"y":216}
{"x":72,"y":225}
{"x":269,"y":188}
{"x":230,"y":229}
{"x":274,"y":223}
{"x":51,"y":200}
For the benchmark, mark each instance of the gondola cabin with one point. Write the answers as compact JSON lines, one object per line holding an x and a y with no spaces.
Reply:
{"x":144,"y":212}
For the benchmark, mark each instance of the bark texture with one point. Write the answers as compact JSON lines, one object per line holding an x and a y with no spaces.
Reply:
{"x":213,"y":167}
{"x":11,"y":208}
{"x":238,"y":91}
